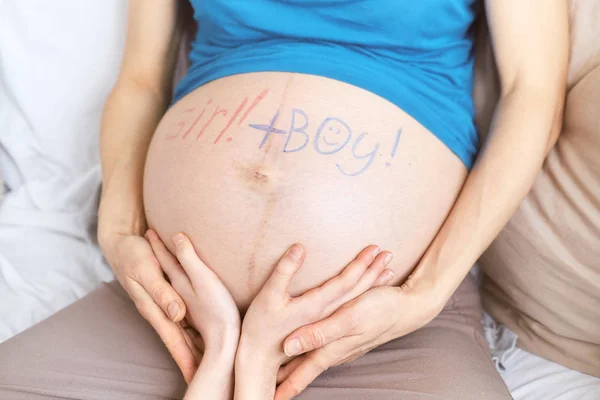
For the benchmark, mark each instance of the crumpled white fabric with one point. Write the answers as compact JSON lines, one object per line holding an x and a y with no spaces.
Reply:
{"x":58,"y":62}
{"x":502,"y":341}
{"x":529,"y":377}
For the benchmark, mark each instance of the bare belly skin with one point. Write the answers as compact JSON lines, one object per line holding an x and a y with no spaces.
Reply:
{"x":249,"y":164}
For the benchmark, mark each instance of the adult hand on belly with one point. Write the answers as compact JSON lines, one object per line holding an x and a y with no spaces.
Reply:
{"x":376,"y":317}
{"x":140,"y":274}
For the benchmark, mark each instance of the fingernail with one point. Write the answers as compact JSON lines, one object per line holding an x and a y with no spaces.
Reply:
{"x":295,"y":252}
{"x":173,"y":311}
{"x":388,"y":258}
{"x":388,"y":276}
{"x":293,"y":347}
{"x":376,"y":251}
{"x":178,"y":239}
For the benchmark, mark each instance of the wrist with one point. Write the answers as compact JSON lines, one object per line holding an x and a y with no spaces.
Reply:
{"x":214,"y":377}
{"x":251,"y":357}
{"x":118,"y":216}
{"x":121,"y":202}
{"x":222,"y":344}
{"x":423,"y":291}
{"x":255,"y":374}
{"x":434,"y":282}
{"x":220,"y":357}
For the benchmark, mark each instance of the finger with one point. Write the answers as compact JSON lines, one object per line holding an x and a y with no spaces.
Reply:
{"x":319,"y":334}
{"x":193,"y":334}
{"x":187,"y":256}
{"x":188,"y":335}
{"x":332,"y":290}
{"x":167,"y":261}
{"x":150,"y":276}
{"x":168,"y":331}
{"x":384,"y":277}
{"x":197,"y":271}
{"x":314,"y":364}
{"x":285,"y":270}
{"x":200,"y":275}
{"x":287,"y":369}
{"x":376,"y":271}
{"x":306,"y":372}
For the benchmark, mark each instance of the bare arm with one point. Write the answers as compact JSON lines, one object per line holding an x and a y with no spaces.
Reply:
{"x":131,"y":114}
{"x":132,"y":111}
{"x":213,"y":380}
{"x":530,"y":40}
{"x":211,"y":310}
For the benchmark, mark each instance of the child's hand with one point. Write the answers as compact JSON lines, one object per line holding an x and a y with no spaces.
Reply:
{"x":210,"y":308}
{"x":273,"y":314}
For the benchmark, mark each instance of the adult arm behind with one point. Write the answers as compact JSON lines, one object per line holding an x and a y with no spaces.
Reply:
{"x":531,"y":45}
{"x":131,"y":114}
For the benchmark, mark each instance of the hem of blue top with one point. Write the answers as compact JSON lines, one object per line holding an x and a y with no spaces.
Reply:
{"x":417,"y":109}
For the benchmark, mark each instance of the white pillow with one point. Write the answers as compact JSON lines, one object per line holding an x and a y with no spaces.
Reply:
{"x":59,"y":60}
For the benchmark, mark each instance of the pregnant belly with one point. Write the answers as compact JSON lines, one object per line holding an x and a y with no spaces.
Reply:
{"x":250,"y":164}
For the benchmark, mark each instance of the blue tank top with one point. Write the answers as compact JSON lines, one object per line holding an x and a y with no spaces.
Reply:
{"x":416,"y":54}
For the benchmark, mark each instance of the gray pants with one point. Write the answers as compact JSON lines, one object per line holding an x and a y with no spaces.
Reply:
{"x":101,"y":348}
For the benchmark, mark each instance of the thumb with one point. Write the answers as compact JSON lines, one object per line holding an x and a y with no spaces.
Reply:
{"x":319,"y":334}
{"x":285,"y":270}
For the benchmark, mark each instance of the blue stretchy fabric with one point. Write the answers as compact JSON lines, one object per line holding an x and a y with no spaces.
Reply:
{"x":416,"y":54}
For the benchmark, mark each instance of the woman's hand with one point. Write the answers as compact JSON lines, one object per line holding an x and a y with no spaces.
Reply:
{"x":375,"y":317}
{"x":274,"y":314}
{"x":140,"y":274}
{"x":212,"y":312}
{"x":210,"y":308}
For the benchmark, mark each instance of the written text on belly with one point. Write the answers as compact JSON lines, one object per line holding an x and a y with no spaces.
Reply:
{"x":332,"y":136}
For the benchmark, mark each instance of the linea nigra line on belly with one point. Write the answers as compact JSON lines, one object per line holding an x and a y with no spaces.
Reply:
{"x":260,"y":239}
{"x":261,"y":176}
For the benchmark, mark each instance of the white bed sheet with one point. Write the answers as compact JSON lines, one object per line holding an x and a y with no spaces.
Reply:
{"x":58,"y":61}
{"x":529,"y":377}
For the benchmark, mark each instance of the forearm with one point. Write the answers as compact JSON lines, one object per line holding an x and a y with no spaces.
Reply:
{"x":130,"y":117}
{"x":214,"y":378}
{"x":521,"y":134}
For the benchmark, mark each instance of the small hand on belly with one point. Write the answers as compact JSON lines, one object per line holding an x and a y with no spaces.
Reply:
{"x":273,"y":314}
